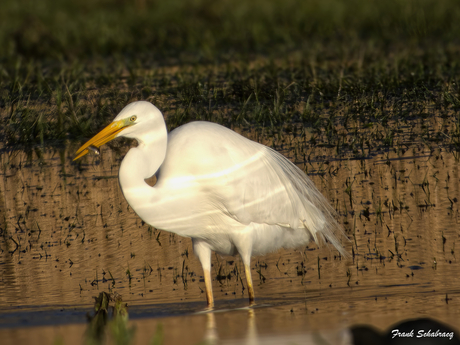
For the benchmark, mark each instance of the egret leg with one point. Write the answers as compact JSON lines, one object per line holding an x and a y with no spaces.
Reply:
{"x":204,"y":255}
{"x":208,"y":284}
{"x":247,"y":271}
{"x":243,"y":244}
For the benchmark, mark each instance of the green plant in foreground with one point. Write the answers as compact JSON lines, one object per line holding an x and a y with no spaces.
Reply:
{"x":95,"y":332}
{"x":158,"y":338}
{"x":120,"y":332}
{"x":117,"y":328}
{"x":102,"y":329}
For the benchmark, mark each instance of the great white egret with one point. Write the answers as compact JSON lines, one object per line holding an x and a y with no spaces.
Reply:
{"x":227,"y":193}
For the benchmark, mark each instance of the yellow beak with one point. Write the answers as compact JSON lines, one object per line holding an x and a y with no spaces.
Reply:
{"x":104,"y":136}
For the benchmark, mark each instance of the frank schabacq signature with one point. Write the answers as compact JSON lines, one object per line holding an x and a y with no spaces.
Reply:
{"x":422,"y":334}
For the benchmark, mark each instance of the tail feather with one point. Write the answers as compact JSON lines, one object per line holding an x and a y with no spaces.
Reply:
{"x":318,"y":217}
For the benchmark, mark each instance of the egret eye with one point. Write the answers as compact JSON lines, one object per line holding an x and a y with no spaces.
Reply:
{"x":133,"y":118}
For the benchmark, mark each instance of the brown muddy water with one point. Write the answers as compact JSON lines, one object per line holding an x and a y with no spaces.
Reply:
{"x":68,"y":234}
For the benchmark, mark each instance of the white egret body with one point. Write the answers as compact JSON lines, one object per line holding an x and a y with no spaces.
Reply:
{"x":227,"y":193}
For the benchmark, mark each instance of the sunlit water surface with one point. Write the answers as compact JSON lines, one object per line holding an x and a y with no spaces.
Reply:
{"x":68,"y":234}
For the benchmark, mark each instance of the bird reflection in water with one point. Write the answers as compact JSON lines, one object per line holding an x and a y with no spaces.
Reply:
{"x":212,"y":337}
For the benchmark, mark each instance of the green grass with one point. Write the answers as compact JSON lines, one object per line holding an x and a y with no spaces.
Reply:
{"x":206,"y":29}
{"x":361,"y":75}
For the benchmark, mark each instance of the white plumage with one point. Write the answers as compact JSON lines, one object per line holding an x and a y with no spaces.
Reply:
{"x":227,"y":193}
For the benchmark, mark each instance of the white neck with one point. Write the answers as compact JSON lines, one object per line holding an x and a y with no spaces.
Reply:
{"x":141,"y":163}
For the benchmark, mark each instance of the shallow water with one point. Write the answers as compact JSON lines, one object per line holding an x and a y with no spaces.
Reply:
{"x":68,"y":234}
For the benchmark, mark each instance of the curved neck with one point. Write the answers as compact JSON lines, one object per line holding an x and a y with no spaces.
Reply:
{"x":141,"y":163}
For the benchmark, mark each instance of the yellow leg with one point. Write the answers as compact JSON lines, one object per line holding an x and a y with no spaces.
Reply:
{"x":208,"y":283}
{"x":247,"y":271}
{"x":203,"y":252}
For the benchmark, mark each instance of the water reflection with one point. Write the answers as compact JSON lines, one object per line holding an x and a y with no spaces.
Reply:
{"x":211,"y":336}
{"x":276,"y":323}
{"x":67,"y":234}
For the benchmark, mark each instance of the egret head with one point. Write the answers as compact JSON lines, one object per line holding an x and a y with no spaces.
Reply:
{"x":133,"y":121}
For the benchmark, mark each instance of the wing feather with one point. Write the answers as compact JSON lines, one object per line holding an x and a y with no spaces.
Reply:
{"x":275,"y":191}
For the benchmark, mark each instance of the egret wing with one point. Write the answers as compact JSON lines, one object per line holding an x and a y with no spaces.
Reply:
{"x":269,"y":189}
